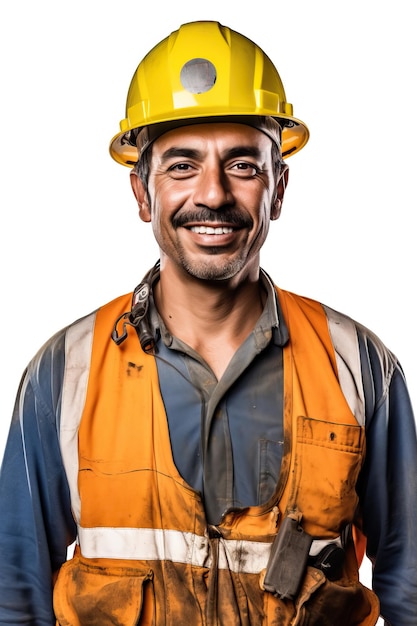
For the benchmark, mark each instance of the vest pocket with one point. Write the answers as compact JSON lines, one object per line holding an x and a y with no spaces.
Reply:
{"x":328,"y":458}
{"x":101,"y":595}
{"x":325,"y":603}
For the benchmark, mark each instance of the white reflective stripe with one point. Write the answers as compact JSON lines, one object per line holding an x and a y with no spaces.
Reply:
{"x":345,"y":341}
{"x":143,"y":543}
{"x":22,"y":429}
{"x":249,"y":557}
{"x":318,"y":545}
{"x":78,"y":342}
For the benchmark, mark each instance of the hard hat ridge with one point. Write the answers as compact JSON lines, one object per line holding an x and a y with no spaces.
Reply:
{"x":203,"y":71}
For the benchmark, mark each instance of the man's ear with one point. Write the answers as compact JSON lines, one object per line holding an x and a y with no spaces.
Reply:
{"x":280,"y":191}
{"x":141,"y":196}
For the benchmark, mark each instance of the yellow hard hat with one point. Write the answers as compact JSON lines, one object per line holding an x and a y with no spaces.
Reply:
{"x":204,"y":70}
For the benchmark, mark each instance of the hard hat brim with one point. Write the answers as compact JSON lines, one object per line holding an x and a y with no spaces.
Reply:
{"x":295,"y":135}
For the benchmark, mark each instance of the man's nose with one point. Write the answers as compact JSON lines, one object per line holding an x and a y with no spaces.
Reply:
{"x":213,"y":189}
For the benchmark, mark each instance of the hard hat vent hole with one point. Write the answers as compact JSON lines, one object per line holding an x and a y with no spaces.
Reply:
{"x":198,"y":75}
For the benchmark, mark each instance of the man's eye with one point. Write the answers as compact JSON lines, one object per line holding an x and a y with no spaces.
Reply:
{"x":180,"y":167}
{"x":244,"y":169}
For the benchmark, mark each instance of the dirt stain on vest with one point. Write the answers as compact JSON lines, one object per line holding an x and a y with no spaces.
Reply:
{"x":133,"y":369}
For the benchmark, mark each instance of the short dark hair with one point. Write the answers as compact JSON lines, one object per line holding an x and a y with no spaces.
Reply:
{"x":143,"y":166}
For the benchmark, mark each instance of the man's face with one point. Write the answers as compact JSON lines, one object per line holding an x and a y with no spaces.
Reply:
{"x":211,"y":195}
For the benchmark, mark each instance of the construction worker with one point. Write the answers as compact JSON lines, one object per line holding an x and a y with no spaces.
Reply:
{"x":221,"y":451}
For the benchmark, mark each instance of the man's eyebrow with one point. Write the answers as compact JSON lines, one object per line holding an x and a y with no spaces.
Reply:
{"x":190,"y":153}
{"x":242,"y":151}
{"x":175,"y":152}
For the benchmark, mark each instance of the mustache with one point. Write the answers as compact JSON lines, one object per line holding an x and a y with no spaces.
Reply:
{"x":226,"y":216}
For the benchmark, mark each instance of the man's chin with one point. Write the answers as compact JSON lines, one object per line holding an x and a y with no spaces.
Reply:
{"x":213,"y":272}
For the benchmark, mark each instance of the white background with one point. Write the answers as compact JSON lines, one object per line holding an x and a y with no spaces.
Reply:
{"x":70,"y":236}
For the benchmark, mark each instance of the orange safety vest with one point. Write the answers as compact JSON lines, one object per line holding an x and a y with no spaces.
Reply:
{"x":146,"y":555}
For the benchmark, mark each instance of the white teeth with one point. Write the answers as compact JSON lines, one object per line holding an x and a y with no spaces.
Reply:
{"x":209,"y":230}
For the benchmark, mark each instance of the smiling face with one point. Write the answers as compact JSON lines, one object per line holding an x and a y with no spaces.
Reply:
{"x":212,"y":191}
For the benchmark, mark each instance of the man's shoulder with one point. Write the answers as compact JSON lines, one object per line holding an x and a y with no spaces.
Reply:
{"x":366,"y":336}
{"x":52,"y":352}
{"x":350,"y":335}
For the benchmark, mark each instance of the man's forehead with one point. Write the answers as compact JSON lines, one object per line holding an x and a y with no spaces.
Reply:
{"x":265,"y":125}
{"x":223,"y":134}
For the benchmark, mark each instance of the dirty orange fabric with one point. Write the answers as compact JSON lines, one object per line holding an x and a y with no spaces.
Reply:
{"x":128,"y":483}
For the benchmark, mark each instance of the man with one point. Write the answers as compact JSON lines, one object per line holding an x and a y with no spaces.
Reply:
{"x":221,"y":450}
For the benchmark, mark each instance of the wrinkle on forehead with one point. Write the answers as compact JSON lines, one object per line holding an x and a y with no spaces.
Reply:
{"x":198,"y":155}
{"x":230,"y":140}
{"x":145,"y":137}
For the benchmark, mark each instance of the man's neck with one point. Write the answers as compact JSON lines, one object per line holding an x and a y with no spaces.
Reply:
{"x":213,"y":318}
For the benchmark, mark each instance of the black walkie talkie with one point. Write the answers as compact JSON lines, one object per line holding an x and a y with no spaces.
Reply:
{"x":288,"y":559}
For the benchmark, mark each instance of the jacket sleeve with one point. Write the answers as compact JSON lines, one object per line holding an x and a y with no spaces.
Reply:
{"x":36,"y":522}
{"x":388,"y":483}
